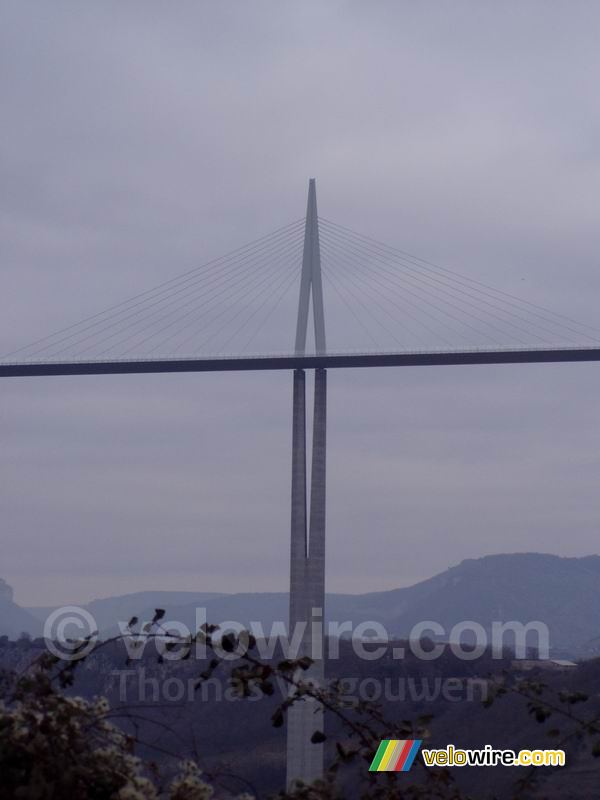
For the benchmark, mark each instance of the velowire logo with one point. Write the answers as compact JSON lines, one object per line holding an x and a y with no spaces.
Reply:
{"x":395,"y":755}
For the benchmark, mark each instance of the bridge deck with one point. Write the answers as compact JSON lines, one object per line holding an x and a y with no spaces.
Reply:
{"x":279,"y":362}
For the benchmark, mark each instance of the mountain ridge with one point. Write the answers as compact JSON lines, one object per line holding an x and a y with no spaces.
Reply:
{"x":558,"y":591}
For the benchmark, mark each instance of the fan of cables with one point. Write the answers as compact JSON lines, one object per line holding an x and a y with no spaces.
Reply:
{"x":222,"y":306}
{"x":377,"y":298}
{"x":401,"y":302}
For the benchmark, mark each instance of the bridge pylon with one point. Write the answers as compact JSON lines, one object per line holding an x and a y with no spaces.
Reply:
{"x":307,"y":567}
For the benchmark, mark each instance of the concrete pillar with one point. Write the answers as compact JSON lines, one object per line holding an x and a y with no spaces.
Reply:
{"x":307,"y":571}
{"x":299,"y":544}
{"x":307,"y":589}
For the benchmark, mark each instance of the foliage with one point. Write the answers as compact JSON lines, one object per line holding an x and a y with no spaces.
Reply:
{"x":54,"y":746}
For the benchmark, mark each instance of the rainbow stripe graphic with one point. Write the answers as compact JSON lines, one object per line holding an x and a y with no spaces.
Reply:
{"x":395,"y":755}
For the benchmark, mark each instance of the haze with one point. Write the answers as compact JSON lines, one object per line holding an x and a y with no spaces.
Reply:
{"x":141,"y":139}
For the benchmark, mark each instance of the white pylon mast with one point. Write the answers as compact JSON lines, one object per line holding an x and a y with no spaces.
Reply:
{"x":307,"y":567}
{"x":311,"y":279}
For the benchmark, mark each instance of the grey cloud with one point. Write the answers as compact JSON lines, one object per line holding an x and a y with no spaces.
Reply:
{"x":141,"y":139}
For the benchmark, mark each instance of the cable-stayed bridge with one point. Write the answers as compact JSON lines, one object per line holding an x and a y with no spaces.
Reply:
{"x":385,"y":307}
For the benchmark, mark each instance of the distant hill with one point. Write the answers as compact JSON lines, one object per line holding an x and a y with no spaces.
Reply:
{"x":15,"y":620}
{"x":111,"y":609}
{"x":560,"y":592}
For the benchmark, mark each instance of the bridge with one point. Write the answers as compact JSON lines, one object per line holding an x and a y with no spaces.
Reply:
{"x":288,"y":361}
{"x":409,"y":311}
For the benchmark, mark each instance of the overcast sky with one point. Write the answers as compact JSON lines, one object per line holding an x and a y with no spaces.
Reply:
{"x":139,"y":139}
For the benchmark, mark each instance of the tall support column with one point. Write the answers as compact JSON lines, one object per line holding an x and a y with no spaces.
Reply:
{"x":316,"y":542}
{"x":299,"y":544}
{"x":316,"y":573}
{"x":307,"y":586}
{"x":307,"y":570}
